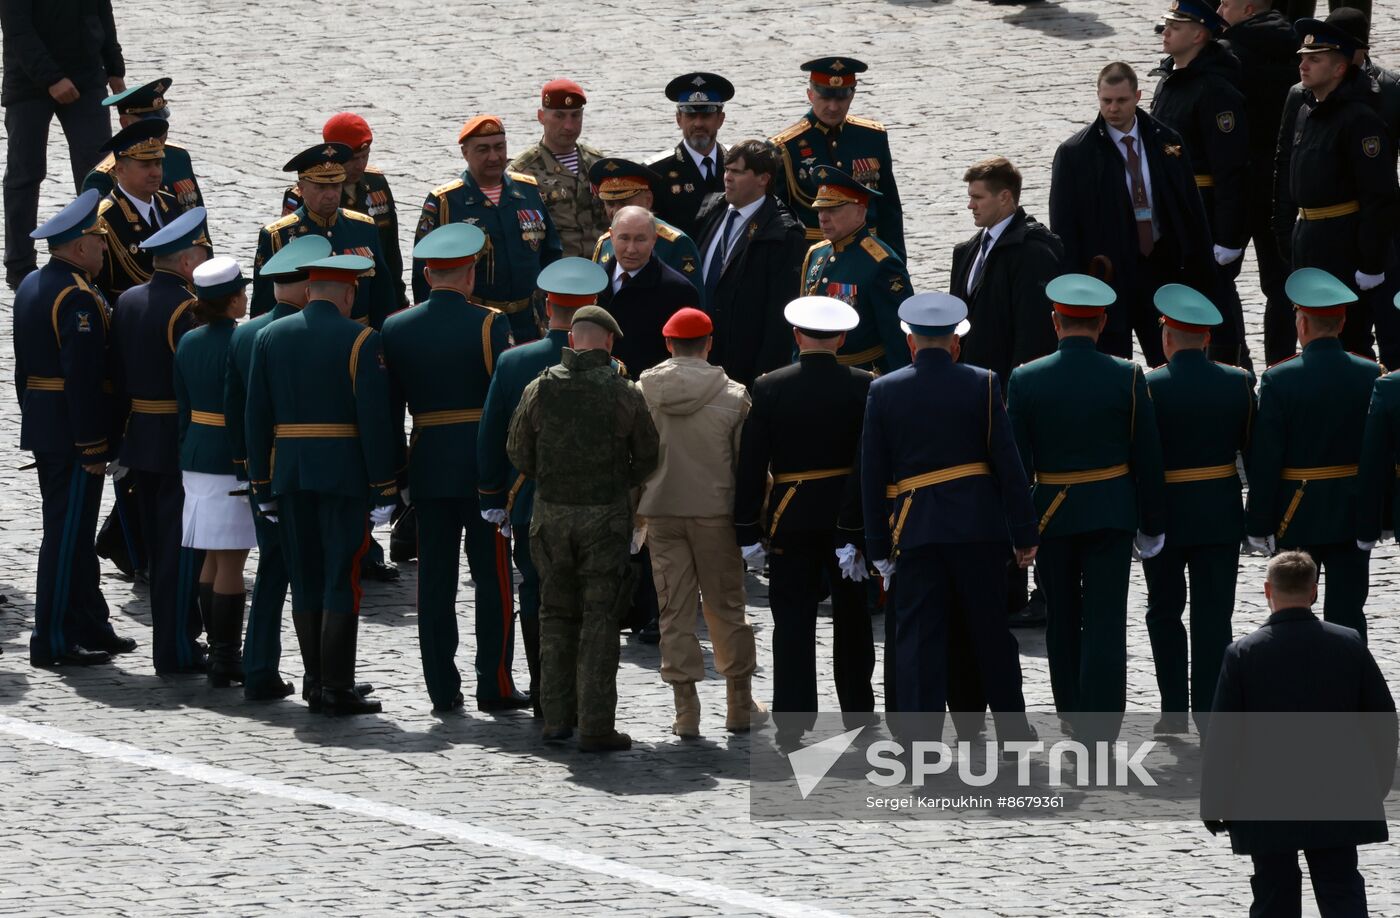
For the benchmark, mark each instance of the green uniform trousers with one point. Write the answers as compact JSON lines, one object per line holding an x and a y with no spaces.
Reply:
{"x":441,"y":522}
{"x":1344,"y":572}
{"x":262,"y":645}
{"x":325,"y":536}
{"x":1213,"y":570}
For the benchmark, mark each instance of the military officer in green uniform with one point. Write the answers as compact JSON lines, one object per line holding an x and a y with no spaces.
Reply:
{"x":620,"y":183}
{"x":141,"y":103}
{"x":1087,"y":435}
{"x":318,"y":394}
{"x":1205,"y":412}
{"x":829,"y":136}
{"x":560,"y":165}
{"x":441,"y":355}
{"x":1303,"y":484}
{"x":320,"y":174}
{"x":1378,"y":508}
{"x":520,"y":235}
{"x":136,"y":208}
{"x":365,"y":191}
{"x":861,"y":270}
{"x":507,"y":497}
{"x":262,"y":644}
{"x":695,"y":169}
{"x":584,"y":433}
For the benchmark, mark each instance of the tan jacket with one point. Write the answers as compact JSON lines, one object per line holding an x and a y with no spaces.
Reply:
{"x":577,"y":213}
{"x":699,"y":413}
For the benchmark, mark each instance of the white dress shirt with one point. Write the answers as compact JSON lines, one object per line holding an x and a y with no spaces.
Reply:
{"x":978,"y":258}
{"x":1117,"y":137}
{"x":716,"y":166}
{"x":746,"y":214}
{"x":147,"y":209}
{"x":619,"y":273}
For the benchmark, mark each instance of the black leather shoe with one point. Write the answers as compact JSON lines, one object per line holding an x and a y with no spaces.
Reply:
{"x":75,"y":655}
{"x":1172,"y":724}
{"x":452,"y":705}
{"x":378,"y":570}
{"x":273,"y":690}
{"x":116,"y":644}
{"x":13,"y":276}
{"x":1032,"y":616}
{"x":650,"y":633}
{"x":340,"y":703}
{"x":512,"y":702}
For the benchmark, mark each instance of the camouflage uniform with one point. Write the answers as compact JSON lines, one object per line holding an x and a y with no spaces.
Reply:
{"x":577,"y":213}
{"x":584,"y":434}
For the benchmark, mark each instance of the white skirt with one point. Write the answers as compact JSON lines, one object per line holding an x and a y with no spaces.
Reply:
{"x":214,"y":518}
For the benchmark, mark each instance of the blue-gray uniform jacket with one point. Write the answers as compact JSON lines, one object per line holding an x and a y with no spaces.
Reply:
{"x":937,"y":434}
{"x":146,"y":328}
{"x":61,"y":331}
{"x":201,"y":363}
{"x":240,"y":367}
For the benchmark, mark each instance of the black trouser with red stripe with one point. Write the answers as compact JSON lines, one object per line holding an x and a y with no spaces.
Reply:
{"x":441,"y":522}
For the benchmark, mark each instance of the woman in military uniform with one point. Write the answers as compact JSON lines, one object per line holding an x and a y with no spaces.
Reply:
{"x":216,"y":521}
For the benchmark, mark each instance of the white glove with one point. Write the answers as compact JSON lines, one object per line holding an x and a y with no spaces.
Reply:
{"x":1367,"y":281}
{"x":1258,"y":546}
{"x":886,"y":569}
{"x":1365,"y":546}
{"x":639,"y":538}
{"x":269,"y":511}
{"x":494,"y":517}
{"x":851,"y":563}
{"x":116,"y":471}
{"x":1146,"y":546}
{"x":1224,"y":256}
{"x":403,"y":496}
{"x":754,"y":556}
{"x":380,"y":515}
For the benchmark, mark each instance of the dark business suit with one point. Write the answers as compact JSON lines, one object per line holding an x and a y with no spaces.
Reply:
{"x":641,"y":307}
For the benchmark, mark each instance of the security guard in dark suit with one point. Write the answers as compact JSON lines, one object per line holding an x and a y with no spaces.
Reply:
{"x":944,"y":504}
{"x":146,"y":327}
{"x":1378,"y":508}
{"x":695,"y":169}
{"x":262,"y":644}
{"x":520,"y":235}
{"x":142,"y":103}
{"x":318,"y":395}
{"x":804,"y":431}
{"x":828,"y":136}
{"x":320,"y":176}
{"x":1197,"y":97}
{"x":1304,"y":459}
{"x":620,"y":183}
{"x":859,"y":269}
{"x":441,"y":355}
{"x":61,"y":355}
{"x":1088,"y":436}
{"x":1335,"y":194}
{"x":135,"y":208}
{"x":365,"y":191}
{"x":1205,"y":413}
{"x":507,"y":498}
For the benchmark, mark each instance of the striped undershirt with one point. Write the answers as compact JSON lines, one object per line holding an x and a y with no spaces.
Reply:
{"x":569,"y":160}
{"x":493,"y":194}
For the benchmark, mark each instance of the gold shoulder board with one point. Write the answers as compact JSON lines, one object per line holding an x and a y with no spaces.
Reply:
{"x":865,"y":123}
{"x":453,"y":185}
{"x":522,"y":177}
{"x":790,"y":132}
{"x":667,"y":231}
{"x":356,"y":215}
{"x":275,"y":225}
{"x":874,"y":249}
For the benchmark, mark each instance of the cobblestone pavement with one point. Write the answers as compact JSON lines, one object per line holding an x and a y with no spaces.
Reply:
{"x":125,"y":793}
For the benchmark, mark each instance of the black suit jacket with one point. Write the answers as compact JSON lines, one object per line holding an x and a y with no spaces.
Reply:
{"x":1295,"y":662}
{"x":641,"y":309}
{"x":1007,"y":307}
{"x":760,"y":277}
{"x":1092,"y":213}
{"x":684,"y":188}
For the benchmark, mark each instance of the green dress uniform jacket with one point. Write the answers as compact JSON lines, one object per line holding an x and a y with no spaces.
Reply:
{"x":520,"y":241}
{"x":350,"y":233}
{"x":864,"y":272}
{"x":178,"y":179}
{"x":1379,"y":507}
{"x":576,"y":211}
{"x":673,"y":247}
{"x":371,"y":196}
{"x":201,"y":363}
{"x":861,"y":149}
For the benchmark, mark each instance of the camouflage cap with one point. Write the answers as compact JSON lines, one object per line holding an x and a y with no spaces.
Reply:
{"x":598,"y":316}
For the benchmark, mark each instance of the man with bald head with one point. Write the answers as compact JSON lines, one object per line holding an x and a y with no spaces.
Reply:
{"x":642,"y":292}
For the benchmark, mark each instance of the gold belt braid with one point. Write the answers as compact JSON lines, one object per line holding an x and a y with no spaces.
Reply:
{"x":937,"y":476}
{"x":1205,"y":181}
{"x":154,"y":406}
{"x":506,"y":306}
{"x":1327,"y":213}
{"x":443,"y":418}
{"x":1202,"y":473}
{"x":207,"y":418}
{"x":44,"y":383}
{"x":315,"y":430}
{"x":1074,"y":478}
{"x":795,"y":479}
{"x":869,"y":355}
{"x":514,"y":490}
{"x":1303,"y":476}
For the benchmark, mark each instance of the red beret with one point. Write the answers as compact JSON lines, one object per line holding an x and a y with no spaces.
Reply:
{"x":562,"y":94}
{"x":349,"y":129}
{"x":687,"y":323}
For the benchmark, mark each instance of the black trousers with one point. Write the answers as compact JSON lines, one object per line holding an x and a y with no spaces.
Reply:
{"x":796,"y":565}
{"x":1280,"y":337}
{"x":68,"y":604}
{"x":1213,"y":572}
{"x":174,"y":571}
{"x":1336,"y":883}
{"x":86,"y":124}
{"x":1133,"y":313}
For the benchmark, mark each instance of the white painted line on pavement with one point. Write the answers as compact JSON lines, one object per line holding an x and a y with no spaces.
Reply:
{"x":699,"y":890}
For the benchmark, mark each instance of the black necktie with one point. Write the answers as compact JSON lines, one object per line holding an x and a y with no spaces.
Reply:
{"x":716,"y":266}
{"x":709,"y":165}
{"x":981,"y":264}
